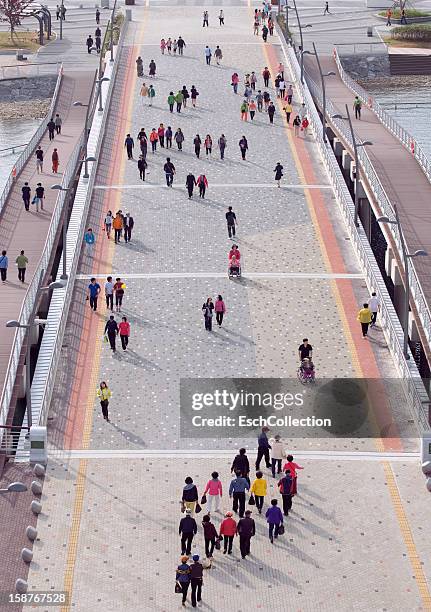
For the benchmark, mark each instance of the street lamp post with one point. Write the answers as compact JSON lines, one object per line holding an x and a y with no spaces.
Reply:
{"x":356,"y":146}
{"x":61,"y":19}
{"x":406,"y":257}
{"x":14,"y":487}
{"x":322,"y":78}
{"x":34,"y":321}
{"x":301,"y":27}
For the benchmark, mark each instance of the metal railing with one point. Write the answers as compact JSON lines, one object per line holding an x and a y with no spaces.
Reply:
{"x":9,"y":439}
{"x":27,"y":70}
{"x":43,"y":385}
{"x":11,"y":150}
{"x":374,"y":181}
{"x":33,"y":142}
{"x":37,"y":279}
{"x":411,"y":380}
{"x":362,"y":47}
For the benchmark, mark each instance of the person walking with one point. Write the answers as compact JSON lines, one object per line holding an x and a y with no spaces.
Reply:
{"x":243,"y":109}
{"x":152,"y":68}
{"x":274,"y":518}
{"x":263,"y":448}
{"x":231,"y":222}
{"x":289,"y":94}
{"x":89,"y":240}
{"x":265,"y":32}
{"x":271,"y":112}
{"x":118,"y":227}
{"x":129,"y":144}
{"x":58,"y":121}
{"x":179,"y":99}
{"x":169,"y":169}
{"x":168,"y":137}
{"x":39,"y":196}
{"x":218,"y":55}
{"x":161,"y":135}
{"x":389,"y":17}
{"x":187,"y":530}
{"x":237,"y":490}
{"x":210,"y":536}
{"x":182,"y":577}
{"x":190,"y":184}
{"x":104,"y":395}
{"x":202,"y":183}
{"x":220,"y":310}
{"x":326,"y":11}
{"x":190,"y":495}
{"x":108,"y":223}
{"x":144,"y":91}
{"x":186,"y":95}
{"x":292,"y":466}
{"x":266,"y":76}
{"x":266,"y":100}
{"x":197,"y":142}
{"x":208,"y":55}
{"x":243,"y":145}
{"x":253,"y":81}
{"x":403,"y":17}
{"x":124,"y":330}
{"x":179,"y":139}
{"x":111,"y":330}
{"x":285,"y":488}
{"x":154,"y":137}
{"x":221,"y":17}
{"x":208,"y":144}
{"x":151,"y":95}
{"x":89,"y":42}
{"x":296,"y":125}
{"x":304,"y":126}
{"x":194,"y":95}
{"x":222,"y":143}
{"x":109,"y":293}
{"x":171,"y":101}
{"x":181,"y":44}
{"x":205,"y":19}
{"x":258,"y":489}
{"x":365,"y":318}
{"x":196,"y":580}
{"x":63,"y":12}
{"x":270,"y":26}
{"x":357,"y":106}
{"x":39,"y":160}
{"x":128,"y":226}
{"x":215,"y":493}
{"x":278,"y":173}
{"x":228,"y":532}
{"x":175,"y":46}
{"x":57,"y":12}
{"x":98,"y":41}
{"x":119,"y":288}
{"x":246,"y":529}
{"x":97,"y":16}
{"x":51,"y":128}
{"x":374,"y":306}
{"x":4,"y":263}
{"x":207,"y":310}
{"x":259,"y":100}
{"x":252,"y":108}
{"x":142,"y":166}
{"x":55,"y":161}
{"x":241,"y":465}
{"x":235,"y":82}
{"x":288,"y":110}
{"x":26,"y":195}
{"x":281,"y":88}
{"x":93,"y":293}
{"x":277,"y":454}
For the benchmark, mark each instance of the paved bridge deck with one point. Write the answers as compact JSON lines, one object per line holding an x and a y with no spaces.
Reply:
{"x":20,"y":229}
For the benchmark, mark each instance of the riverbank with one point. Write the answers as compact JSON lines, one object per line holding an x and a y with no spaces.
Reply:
{"x":28,"y":109}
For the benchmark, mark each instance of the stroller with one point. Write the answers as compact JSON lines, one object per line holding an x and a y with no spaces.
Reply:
{"x":140,"y":67}
{"x":306,"y":373}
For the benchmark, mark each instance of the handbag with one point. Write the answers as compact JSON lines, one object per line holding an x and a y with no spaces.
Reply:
{"x":281,"y":529}
{"x":204,"y":500}
{"x":198,"y":508}
{"x":178,"y":588}
{"x":183,"y":506}
{"x":217,"y":544}
{"x":251,"y":501}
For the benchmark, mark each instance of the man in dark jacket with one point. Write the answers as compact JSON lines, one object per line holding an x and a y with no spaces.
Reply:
{"x":89,"y":42}
{"x":51,"y":128}
{"x":285,"y":488}
{"x":187,"y":531}
{"x":26,"y":194}
{"x":128,"y":226}
{"x":241,"y":464}
{"x":190,"y":494}
{"x":129,"y":143}
{"x":196,"y":579}
{"x":237,"y":489}
{"x":263,"y":447}
{"x":111,"y":329}
{"x":246,"y":529}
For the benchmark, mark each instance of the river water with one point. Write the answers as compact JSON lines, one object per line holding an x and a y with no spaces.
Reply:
{"x":13,"y":132}
{"x":410,"y":105}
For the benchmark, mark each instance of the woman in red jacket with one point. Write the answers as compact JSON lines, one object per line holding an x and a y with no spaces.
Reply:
{"x":202,"y":183}
{"x":124,"y":328}
{"x":228,"y":530}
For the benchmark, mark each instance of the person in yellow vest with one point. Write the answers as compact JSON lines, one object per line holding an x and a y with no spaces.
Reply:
{"x":365,"y":318}
{"x":258,"y":489}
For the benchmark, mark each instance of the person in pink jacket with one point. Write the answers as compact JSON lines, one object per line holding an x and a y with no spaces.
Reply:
{"x":220,"y":310}
{"x":214,"y":490}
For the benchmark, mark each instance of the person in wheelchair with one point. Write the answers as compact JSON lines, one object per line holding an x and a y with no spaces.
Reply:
{"x":307,"y":367}
{"x":234,"y":266}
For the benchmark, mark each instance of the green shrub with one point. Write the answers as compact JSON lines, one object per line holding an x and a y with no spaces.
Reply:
{"x":415,"y":31}
{"x":396,"y":13}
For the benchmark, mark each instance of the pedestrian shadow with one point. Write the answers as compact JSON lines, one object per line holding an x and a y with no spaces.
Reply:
{"x":138,"y":246}
{"x":208,"y":202}
{"x":315,"y":529}
{"x":253,"y":284}
{"x":241,"y":336}
{"x":137,"y":360}
{"x":129,"y":436}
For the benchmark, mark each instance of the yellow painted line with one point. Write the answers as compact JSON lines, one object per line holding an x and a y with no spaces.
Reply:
{"x":89,"y":413}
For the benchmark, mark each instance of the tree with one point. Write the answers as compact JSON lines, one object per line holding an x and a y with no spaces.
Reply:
{"x":11,"y":12}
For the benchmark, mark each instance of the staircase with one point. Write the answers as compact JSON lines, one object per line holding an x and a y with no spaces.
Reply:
{"x":409,"y":64}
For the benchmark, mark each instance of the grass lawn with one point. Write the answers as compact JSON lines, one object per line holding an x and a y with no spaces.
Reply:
{"x":392,"y":42}
{"x":20,"y":40}
{"x":396,"y":14}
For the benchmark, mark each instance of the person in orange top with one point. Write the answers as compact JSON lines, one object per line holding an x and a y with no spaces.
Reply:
{"x":119,"y":288}
{"x":118,"y":226}
{"x":153,"y":139}
{"x":292,"y":466}
{"x":55,"y":161}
